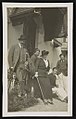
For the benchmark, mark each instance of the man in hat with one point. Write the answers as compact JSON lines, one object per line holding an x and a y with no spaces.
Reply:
{"x":18,"y":61}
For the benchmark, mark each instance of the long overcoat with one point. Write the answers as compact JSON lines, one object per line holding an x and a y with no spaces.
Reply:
{"x":19,"y":69}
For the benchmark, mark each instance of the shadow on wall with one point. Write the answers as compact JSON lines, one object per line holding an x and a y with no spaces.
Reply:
{"x":56,"y":52}
{"x":14,"y":33}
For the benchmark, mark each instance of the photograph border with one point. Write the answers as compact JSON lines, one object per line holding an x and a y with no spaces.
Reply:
{"x":70,"y":56}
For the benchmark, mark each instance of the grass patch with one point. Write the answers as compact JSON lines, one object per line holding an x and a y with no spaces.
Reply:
{"x":16,"y":103}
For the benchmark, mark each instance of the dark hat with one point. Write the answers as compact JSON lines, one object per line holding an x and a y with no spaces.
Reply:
{"x":44,"y":52}
{"x":22,"y":37}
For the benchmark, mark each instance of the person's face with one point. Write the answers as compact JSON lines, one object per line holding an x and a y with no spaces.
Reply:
{"x":37,"y":53}
{"x":62,"y":57}
{"x":45,"y":56}
{"x":55,"y":71}
{"x":22,"y":43}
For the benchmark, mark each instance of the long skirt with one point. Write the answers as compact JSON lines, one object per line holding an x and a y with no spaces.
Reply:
{"x":42,"y":88}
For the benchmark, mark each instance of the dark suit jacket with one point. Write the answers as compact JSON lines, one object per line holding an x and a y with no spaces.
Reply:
{"x":32,"y":63}
{"x":13,"y":56}
{"x":41,"y":68}
{"x":62,"y":67}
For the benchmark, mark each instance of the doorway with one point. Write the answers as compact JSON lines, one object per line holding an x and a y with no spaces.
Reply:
{"x":29,"y":31}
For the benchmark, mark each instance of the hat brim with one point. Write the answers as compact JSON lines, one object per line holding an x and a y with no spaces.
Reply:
{"x":46,"y":53}
{"x":20,"y":39}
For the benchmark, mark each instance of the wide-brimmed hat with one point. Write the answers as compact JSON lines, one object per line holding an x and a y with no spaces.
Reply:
{"x":22,"y":37}
{"x":44,"y":52}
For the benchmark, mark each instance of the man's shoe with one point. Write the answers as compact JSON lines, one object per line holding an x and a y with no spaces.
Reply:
{"x":66,"y":99}
{"x":50,"y":101}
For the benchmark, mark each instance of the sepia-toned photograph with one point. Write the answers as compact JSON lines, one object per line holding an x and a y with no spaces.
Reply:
{"x":37,"y":59}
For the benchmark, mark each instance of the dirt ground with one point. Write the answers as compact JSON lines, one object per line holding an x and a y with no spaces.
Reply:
{"x":57,"y":106}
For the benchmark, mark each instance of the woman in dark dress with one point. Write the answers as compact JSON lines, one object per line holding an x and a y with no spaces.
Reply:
{"x":33,"y":81}
{"x":42,"y":68}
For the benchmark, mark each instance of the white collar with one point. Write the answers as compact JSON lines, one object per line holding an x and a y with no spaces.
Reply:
{"x":46,"y":62}
{"x":19,"y":45}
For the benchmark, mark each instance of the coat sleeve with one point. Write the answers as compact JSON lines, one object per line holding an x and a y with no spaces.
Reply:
{"x":48,"y":66}
{"x":58,"y":67}
{"x":10,"y":56}
{"x":27,"y":56}
{"x":32,"y":65}
{"x":33,"y":59}
{"x":37,"y":64}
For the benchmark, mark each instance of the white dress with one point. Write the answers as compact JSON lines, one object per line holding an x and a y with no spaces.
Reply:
{"x":61,"y":90}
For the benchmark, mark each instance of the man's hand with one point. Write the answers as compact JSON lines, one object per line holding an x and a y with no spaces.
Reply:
{"x":12,"y":68}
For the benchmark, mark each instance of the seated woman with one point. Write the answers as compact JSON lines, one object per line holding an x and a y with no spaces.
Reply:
{"x":42,"y":68}
{"x":57,"y":88}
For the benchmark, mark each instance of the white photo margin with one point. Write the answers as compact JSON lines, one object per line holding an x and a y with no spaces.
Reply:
{"x":6,"y":5}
